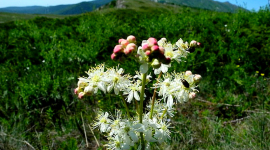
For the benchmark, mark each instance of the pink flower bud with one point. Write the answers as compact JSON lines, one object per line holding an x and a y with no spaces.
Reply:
{"x":162,"y":50}
{"x":155,"y":48}
{"x":192,"y":95}
{"x":188,"y":73}
{"x":197,"y":77}
{"x":147,"y":52}
{"x":81,"y":95}
{"x":145,"y":47}
{"x":127,"y":51}
{"x":193,"y":43}
{"x":120,"y":40}
{"x":131,"y":39}
{"x":76,"y":90}
{"x":117,"y":49}
{"x":124,"y":42}
{"x":130,"y":48}
{"x":113,"y":56}
{"x":152,"y":41}
{"x":131,"y":45}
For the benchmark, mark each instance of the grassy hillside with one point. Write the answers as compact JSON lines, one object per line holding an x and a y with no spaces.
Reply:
{"x":88,"y":6}
{"x":35,"y":9}
{"x":41,"y":59}
{"x":8,"y":17}
{"x":206,"y":4}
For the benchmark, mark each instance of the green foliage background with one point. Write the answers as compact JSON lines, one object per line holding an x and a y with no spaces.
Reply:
{"x":42,"y":58}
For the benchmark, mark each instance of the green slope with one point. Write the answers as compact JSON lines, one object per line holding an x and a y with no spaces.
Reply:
{"x":204,"y":4}
{"x":174,"y":5}
{"x":8,"y":17}
{"x":91,"y":5}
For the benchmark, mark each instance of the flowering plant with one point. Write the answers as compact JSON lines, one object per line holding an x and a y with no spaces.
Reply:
{"x":150,"y":124}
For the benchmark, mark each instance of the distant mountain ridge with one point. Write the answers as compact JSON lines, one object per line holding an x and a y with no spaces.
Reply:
{"x":205,"y":4}
{"x":88,"y":6}
{"x":59,"y":9}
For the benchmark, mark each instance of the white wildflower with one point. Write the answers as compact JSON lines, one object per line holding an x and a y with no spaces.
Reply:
{"x":103,"y":122}
{"x":163,"y":133}
{"x":114,"y":143}
{"x":116,"y":81}
{"x":171,"y":53}
{"x":133,"y":91}
{"x":181,"y":46}
{"x":162,"y":42}
{"x":187,"y":85}
{"x":161,"y":109}
{"x":140,"y":75}
{"x":163,"y":68}
{"x":95,"y":78}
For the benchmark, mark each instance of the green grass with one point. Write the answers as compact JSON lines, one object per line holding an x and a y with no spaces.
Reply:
{"x":9,"y":17}
{"x":42,"y":58}
{"x":207,"y":4}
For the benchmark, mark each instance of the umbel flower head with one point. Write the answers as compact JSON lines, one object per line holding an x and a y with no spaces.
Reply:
{"x":141,"y":128}
{"x":157,"y":54}
{"x":103,"y":122}
{"x":125,"y":133}
{"x":177,"y":87}
{"x":105,"y":80}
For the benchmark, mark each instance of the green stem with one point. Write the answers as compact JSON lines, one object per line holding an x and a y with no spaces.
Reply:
{"x":141,"y":107}
{"x":136,"y":107}
{"x":127,"y":110}
{"x":154,"y":98}
{"x":164,"y":112}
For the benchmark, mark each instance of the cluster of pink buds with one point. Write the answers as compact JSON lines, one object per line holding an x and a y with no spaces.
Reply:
{"x":83,"y":90}
{"x":191,"y":81}
{"x":79,"y":92}
{"x":155,"y":53}
{"x":125,"y":47}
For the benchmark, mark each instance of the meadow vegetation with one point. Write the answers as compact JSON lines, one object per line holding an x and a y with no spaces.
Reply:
{"x":42,"y":58}
{"x":8,"y":17}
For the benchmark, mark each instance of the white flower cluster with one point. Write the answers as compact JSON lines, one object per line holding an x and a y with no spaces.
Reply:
{"x":149,"y":125}
{"x":125,"y":133}
{"x":178,"y":86}
{"x":110,"y":80}
{"x":107,"y":81}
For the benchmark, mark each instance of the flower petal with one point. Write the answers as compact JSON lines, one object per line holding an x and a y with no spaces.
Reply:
{"x":130,"y":96}
{"x":136,"y":96}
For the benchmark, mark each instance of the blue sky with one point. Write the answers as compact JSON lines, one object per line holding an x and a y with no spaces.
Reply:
{"x":248,"y":4}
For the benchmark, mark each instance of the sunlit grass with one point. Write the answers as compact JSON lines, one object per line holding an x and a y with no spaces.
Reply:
{"x":42,"y":58}
{"x":8,"y":17}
